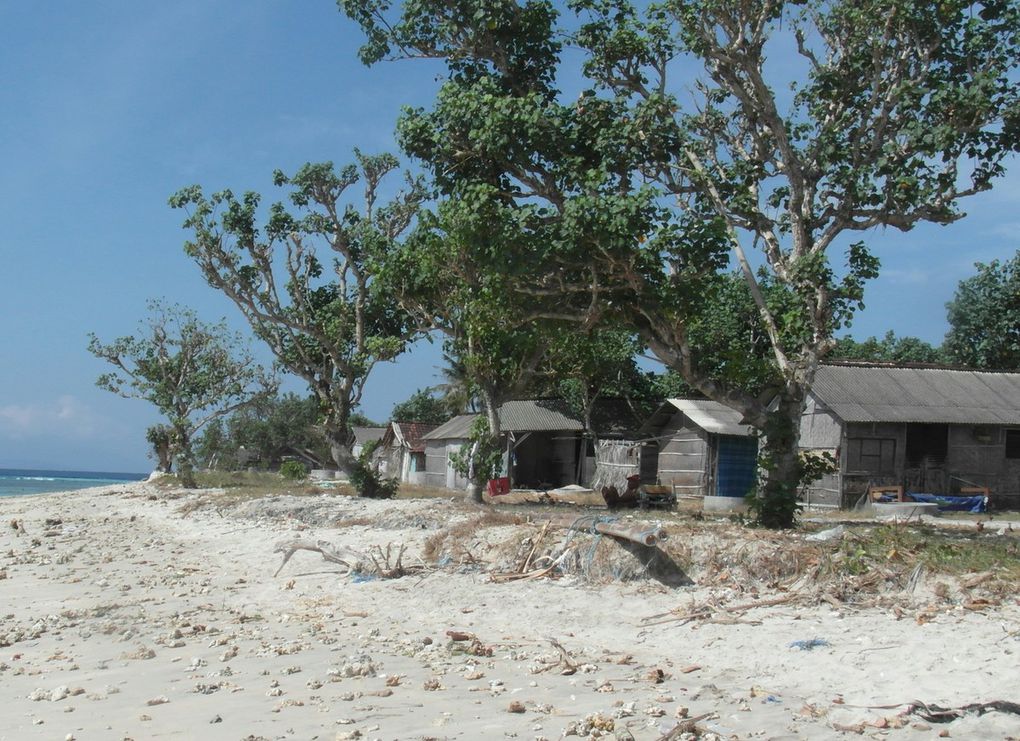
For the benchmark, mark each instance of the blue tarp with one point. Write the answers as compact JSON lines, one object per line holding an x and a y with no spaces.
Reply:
{"x":951,"y":504}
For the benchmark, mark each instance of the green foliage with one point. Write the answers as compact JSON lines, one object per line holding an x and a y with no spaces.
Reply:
{"x":160,"y":437}
{"x":621,"y":208}
{"x":481,"y":459}
{"x":582,"y":367}
{"x":262,"y":434}
{"x":192,"y":372}
{"x":293,"y":470}
{"x":889,"y":349}
{"x":370,"y":483}
{"x":357,"y":419}
{"x":421,"y":407}
{"x":306,"y":279}
{"x":984,"y":317}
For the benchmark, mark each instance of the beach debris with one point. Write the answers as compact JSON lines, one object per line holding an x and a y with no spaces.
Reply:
{"x":594,"y":724}
{"x":569,"y":665}
{"x":809,"y":644}
{"x":712,"y":612}
{"x":685,"y":726}
{"x":937,"y":714}
{"x":379,"y":563}
{"x":516,"y":706}
{"x":833,"y":533}
{"x":344,"y":556}
{"x":355,"y":666}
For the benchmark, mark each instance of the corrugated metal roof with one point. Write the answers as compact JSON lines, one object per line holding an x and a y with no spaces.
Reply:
{"x":519,"y":415}
{"x":364,"y":435}
{"x":457,"y":428}
{"x":711,"y":416}
{"x":537,"y":415}
{"x":858,"y":393}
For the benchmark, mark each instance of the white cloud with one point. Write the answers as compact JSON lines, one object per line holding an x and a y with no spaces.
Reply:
{"x":64,"y":417}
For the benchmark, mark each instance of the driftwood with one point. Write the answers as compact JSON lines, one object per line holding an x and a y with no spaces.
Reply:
{"x":715,"y":613}
{"x":343,"y":556}
{"x":535,"y":574}
{"x":569,"y":664}
{"x":381,"y":562}
{"x":687,"y":725}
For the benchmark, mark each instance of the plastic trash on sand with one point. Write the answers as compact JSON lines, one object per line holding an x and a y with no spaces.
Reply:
{"x":833,"y":533}
{"x":809,"y":644}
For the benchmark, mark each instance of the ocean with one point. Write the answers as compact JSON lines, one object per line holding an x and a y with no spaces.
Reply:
{"x":15,"y":482}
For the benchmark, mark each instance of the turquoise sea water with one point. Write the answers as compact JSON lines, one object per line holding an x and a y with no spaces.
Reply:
{"x":21,"y":481}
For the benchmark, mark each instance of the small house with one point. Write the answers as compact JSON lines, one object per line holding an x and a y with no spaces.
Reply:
{"x":401,"y":454}
{"x":545,"y":444}
{"x":928,"y":430}
{"x":363,"y":436}
{"x":704,"y":448}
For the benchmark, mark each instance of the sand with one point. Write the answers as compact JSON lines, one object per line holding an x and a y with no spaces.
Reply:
{"x":132,"y":615}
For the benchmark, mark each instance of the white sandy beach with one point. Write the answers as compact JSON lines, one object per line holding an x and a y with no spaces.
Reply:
{"x":129,"y":617}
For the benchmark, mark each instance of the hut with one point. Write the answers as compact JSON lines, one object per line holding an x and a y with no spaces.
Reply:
{"x":402,"y":451}
{"x":927,"y":430}
{"x":546,"y":445}
{"x":704,"y":448}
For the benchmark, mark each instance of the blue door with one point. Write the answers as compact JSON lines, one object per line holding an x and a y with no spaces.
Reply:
{"x":737,"y":465}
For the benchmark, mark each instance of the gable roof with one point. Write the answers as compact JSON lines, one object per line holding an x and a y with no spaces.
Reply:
{"x":862,"y":393}
{"x":364,"y":435}
{"x":537,"y":415}
{"x":407,"y":434}
{"x":458,"y":428}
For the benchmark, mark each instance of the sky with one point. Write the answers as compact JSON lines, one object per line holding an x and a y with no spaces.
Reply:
{"x":108,"y":107}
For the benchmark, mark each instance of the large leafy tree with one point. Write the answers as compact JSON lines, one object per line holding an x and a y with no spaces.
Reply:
{"x":193,"y":372}
{"x":305,"y":280}
{"x":265,"y":433}
{"x":984,"y":317}
{"x":809,"y":123}
{"x":588,"y":366}
{"x":493,"y":346}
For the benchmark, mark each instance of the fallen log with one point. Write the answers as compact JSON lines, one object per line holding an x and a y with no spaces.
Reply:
{"x":634,"y":534}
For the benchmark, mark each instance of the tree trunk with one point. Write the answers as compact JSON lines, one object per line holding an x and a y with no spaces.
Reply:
{"x":482,"y":450}
{"x":185,"y":463}
{"x":365,"y":479}
{"x":779,"y":458}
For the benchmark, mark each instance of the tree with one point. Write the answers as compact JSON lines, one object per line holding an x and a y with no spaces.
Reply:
{"x":421,"y":407}
{"x":324,"y":317}
{"x":160,"y":437}
{"x":984,"y":317}
{"x":492,"y":345}
{"x":584,"y":367}
{"x":192,"y":372}
{"x":265,"y":434}
{"x":638,"y":193}
{"x":889,"y":349}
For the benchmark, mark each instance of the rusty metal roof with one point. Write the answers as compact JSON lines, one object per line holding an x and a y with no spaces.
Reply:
{"x":861,"y":393}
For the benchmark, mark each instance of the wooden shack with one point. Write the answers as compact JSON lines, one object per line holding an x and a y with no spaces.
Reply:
{"x":704,"y":448}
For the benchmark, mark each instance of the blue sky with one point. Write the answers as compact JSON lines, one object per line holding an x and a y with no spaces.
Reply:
{"x":108,"y":107}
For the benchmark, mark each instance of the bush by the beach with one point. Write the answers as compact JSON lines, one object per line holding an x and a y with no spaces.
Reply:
{"x":293,"y":470}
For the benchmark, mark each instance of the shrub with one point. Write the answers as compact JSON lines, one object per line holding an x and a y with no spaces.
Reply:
{"x":293,"y":470}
